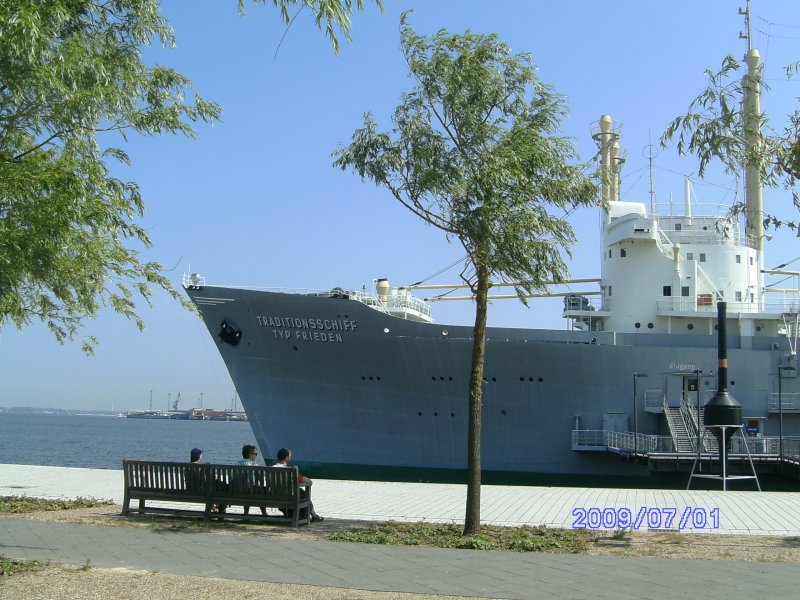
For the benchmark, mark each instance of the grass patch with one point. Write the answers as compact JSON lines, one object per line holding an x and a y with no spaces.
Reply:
{"x":25,"y":504}
{"x":10,"y":566}
{"x":519,"y":539}
{"x":620,"y":534}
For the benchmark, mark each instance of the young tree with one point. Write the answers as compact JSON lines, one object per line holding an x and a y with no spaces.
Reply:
{"x":474,"y":151}
{"x":71,"y":75}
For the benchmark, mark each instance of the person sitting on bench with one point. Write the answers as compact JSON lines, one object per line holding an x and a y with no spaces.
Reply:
{"x":284,"y":456}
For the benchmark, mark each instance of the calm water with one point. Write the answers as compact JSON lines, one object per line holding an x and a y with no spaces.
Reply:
{"x":102,"y":442}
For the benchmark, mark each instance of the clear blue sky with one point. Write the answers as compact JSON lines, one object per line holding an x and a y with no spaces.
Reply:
{"x":255,"y":200}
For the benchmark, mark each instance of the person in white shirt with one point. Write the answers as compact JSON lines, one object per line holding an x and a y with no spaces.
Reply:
{"x":284,"y":456}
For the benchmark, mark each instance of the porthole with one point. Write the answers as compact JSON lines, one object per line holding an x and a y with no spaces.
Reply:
{"x":294,"y":348}
{"x":436,"y":414}
{"x":452,"y":414}
{"x":540,"y":380}
{"x":449,"y":379}
{"x":419,"y":414}
{"x":637,"y":325}
{"x":363,"y":378}
{"x":385,"y":330}
{"x":433,"y":378}
{"x":649,"y":325}
{"x":503,"y":412}
{"x":445,"y":332}
{"x":522,"y":379}
{"x":494,"y":378}
{"x":690,"y":326}
{"x":441,"y":378}
{"x":370,"y":377}
{"x":757,"y":328}
{"x":530,"y":379}
{"x":733,"y":382}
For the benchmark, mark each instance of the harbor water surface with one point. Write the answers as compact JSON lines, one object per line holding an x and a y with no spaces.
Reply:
{"x":102,"y":442}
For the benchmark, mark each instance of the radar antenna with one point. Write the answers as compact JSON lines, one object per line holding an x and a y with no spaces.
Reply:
{"x":746,"y":36}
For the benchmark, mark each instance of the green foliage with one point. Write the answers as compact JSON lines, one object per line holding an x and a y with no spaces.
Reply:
{"x":518,"y":539}
{"x":620,"y":534}
{"x":471,"y":154}
{"x":716,"y":129}
{"x":26,"y":504}
{"x":72,"y":82}
{"x":328,"y":14}
{"x":11,"y":566}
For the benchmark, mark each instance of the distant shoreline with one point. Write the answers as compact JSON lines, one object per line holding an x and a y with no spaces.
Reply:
{"x":30,"y":410}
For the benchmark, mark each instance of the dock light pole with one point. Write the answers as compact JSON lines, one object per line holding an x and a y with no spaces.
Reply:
{"x":636,"y":415}
{"x":781,"y":369}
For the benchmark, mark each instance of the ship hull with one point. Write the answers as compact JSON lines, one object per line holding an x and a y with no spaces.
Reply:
{"x":357,"y":393}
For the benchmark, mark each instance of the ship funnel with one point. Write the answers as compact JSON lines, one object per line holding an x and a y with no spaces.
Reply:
{"x":383,"y":288}
{"x":723,"y":409}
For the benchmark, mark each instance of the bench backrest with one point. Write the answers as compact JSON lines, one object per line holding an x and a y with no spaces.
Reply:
{"x":277,"y":483}
{"x":189,"y":479}
{"x":226,"y":481}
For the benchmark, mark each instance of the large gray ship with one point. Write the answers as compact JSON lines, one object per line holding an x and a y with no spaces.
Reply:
{"x":367,"y":385}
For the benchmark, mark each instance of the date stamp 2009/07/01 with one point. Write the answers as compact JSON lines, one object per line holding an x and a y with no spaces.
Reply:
{"x":690,"y":517}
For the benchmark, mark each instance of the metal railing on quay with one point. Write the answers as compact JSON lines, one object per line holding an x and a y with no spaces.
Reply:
{"x":623,"y":441}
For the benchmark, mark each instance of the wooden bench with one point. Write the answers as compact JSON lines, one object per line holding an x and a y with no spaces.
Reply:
{"x":209,"y":485}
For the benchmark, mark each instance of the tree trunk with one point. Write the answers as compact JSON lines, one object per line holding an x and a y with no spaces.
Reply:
{"x":472,"y":519}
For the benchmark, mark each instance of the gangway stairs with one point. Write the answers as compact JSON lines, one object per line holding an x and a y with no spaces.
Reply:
{"x":709,"y":441}
{"x":678,"y":429}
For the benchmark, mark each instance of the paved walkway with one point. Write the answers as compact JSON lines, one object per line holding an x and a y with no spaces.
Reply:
{"x":752,"y":513}
{"x":395,"y":568}
{"x":410,"y":569}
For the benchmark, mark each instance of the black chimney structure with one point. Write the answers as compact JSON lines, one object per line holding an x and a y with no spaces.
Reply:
{"x":723,"y":409}
{"x":723,"y":414}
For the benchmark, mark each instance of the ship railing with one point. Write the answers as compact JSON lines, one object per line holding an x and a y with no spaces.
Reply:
{"x":790,"y":402}
{"x":193,"y":280}
{"x":707,"y":303}
{"x":583,"y":439}
{"x":406,"y":301}
{"x":704,"y":231}
{"x":397,"y":301}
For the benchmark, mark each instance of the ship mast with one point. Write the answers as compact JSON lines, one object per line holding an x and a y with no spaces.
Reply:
{"x":751,"y":118}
